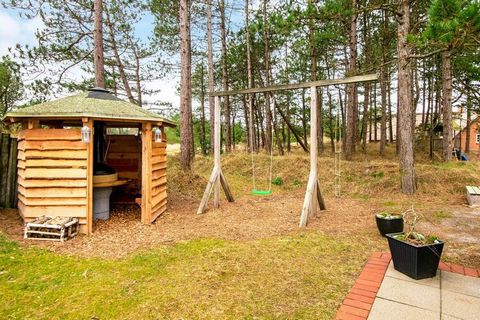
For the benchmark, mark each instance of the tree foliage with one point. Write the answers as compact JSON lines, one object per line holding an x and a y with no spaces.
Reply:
{"x":11,"y":85}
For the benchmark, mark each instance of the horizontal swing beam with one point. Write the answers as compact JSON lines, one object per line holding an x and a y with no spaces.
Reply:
{"x":293,"y":86}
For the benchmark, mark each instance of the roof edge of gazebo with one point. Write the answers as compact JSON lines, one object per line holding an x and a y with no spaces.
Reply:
{"x":14,"y":115}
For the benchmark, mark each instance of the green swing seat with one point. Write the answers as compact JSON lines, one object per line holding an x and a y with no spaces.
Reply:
{"x":261,"y":192}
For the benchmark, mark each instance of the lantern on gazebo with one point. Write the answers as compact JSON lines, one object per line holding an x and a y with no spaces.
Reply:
{"x":85,"y":134}
{"x":158,"y":134}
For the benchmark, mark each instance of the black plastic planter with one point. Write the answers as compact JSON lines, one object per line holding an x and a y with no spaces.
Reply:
{"x":389,"y":225}
{"x":417,"y":262}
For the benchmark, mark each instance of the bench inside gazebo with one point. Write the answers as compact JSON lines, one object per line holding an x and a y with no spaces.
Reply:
{"x":73,"y":149}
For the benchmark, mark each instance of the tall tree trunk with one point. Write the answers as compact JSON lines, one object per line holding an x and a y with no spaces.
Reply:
{"x":211,"y":80}
{"x":268,"y":112}
{"x":251,"y":141}
{"x":260,"y":129}
{"x":383,"y":120}
{"x":118,"y":60}
{"x":203,"y":138}
{"x":247,"y":120}
{"x":375,"y":121}
{"x":320,"y":144}
{"x":226,"y":99}
{"x":351,"y":130}
{"x":330,"y":121}
{"x":429,"y":103}
{"x":405,"y":109}
{"x":344,"y":118}
{"x":424,"y":91}
{"x":366,"y":101}
{"x":432,"y":114}
{"x":313,"y":77}
{"x":98,"y":58}
{"x":447,"y":104}
{"x":137,"y":75}
{"x":468,"y":126}
{"x":276,"y":128}
{"x":389,"y":102}
{"x":383,"y":87}
{"x":370,"y":126}
{"x":288,"y":103}
{"x":186,"y":127}
{"x":233,"y":130}
{"x":289,"y":135}
{"x":304,"y":118}
{"x":114,"y":81}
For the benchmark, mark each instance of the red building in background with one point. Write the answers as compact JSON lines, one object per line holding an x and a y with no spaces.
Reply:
{"x":474,"y":137}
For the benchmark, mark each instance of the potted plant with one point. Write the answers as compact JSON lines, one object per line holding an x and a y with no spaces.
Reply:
{"x":413,"y":253}
{"x":389,"y":223}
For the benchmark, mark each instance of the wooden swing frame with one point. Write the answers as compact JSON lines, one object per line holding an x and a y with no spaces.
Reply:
{"x":313,"y":195}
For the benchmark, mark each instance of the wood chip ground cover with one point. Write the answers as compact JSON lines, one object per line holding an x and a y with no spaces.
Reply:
{"x":246,"y":259}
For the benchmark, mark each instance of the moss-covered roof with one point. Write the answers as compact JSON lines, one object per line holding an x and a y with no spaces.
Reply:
{"x":92,"y":104}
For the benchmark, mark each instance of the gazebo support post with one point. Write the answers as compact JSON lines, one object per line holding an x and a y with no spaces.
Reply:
{"x":313,"y":195}
{"x":216,"y":177}
{"x":147,"y":139}
{"x":89,"y":123}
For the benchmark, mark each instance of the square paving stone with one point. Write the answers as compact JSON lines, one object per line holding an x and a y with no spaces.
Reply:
{"x":462,"y":284}
{"x":384,"y":309}
{"x":460,"y":306}
{"x":411,"y":293}
{"x":434,"y":282}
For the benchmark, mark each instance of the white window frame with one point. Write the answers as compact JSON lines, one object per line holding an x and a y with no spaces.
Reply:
{"x":477,"y":138}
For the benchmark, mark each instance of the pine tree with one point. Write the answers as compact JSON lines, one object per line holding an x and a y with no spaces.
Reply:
{"x":452,"y":23}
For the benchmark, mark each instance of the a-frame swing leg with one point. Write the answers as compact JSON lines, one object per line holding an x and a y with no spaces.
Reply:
{"x":225,"y":187}
{"x":216,"y":177}
{"x":313,"y":200}
{"x":216,"y":180}
{"x":313,"y":195}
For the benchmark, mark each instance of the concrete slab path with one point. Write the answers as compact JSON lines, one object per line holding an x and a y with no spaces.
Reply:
{"x":446,"y":296}
{"x":381,"y":292}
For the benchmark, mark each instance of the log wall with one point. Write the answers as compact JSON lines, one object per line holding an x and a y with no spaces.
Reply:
{"x":154,"y":175}
{"x":52,"y":174}
{"x":159,"y":178}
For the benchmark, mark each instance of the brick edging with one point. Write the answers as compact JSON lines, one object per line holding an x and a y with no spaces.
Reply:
{"x":359,"y":300}
{"x":456,"y":268}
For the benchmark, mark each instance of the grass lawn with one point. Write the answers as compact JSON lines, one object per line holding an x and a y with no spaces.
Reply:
{"x":245,"y":260}
{"x":304,"y":276}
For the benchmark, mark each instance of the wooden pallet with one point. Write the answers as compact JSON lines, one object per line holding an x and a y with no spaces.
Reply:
{"x":473,"y":195}
{"x":52,"y":229}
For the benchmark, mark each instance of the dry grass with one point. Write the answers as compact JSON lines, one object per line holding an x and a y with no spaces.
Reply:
{"x":369,"y":183}
{"x":247,"y":259}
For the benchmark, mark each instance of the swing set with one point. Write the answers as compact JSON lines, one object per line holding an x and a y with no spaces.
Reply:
{"x":313,"y":196}
{"x":255,"y":191}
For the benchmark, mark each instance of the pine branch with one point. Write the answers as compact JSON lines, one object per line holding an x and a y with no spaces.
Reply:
{"x":426,"y":55}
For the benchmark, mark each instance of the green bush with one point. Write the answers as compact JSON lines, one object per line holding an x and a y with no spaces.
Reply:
{"x":277,"y":181}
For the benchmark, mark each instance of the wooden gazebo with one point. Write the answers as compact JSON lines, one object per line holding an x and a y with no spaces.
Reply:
{"x":56,"y":155}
